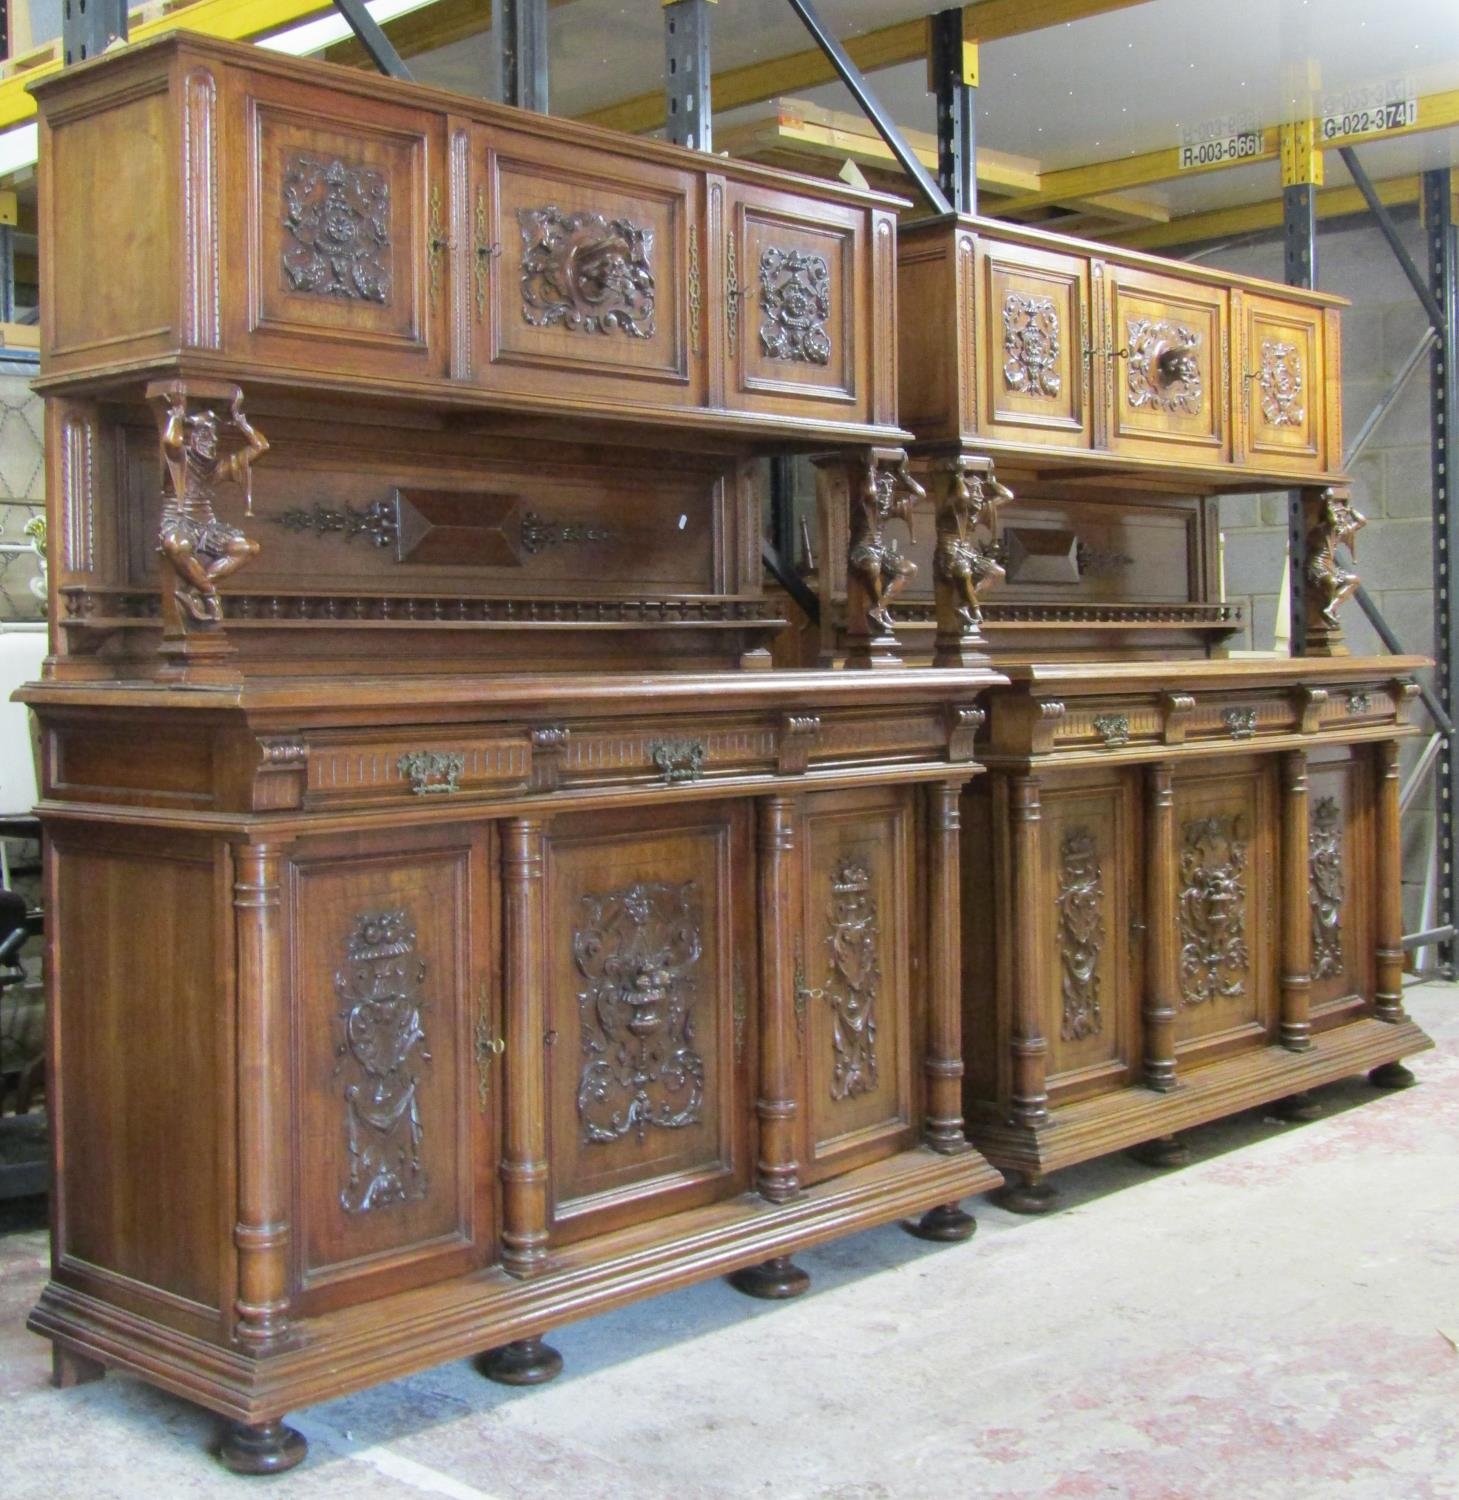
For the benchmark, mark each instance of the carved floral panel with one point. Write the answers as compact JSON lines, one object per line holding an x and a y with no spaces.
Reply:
{"x":1164,"y":368}
{"x":795,"y":305}
{"x":851,"y":988}
{"x":1031,"y":345}
{"x":1080,"y":904}
{"x":584,"y":271}
{"x":1214,"y":958}
{"x":1280,"y":383}
{"x":337,"y":228}
{"x":383,"y":1047}
{"x":1324,"y":846}
{"x":637,"y":951}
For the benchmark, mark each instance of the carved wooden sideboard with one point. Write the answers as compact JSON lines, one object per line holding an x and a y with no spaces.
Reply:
{"x":456,"y":927}
{"x":1181,"y":878}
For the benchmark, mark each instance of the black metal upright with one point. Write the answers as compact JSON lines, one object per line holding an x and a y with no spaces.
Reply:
{"x":1301,"y":177}
{"x":1443,"y":284}
{"x":371,"y":36}
{"x":952,"y":63}
{"x":688,"y":116}
{"x":89,"y":27}
{"x":519,"y":28}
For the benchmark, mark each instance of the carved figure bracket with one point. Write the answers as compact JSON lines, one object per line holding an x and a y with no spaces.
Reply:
{"x":1080,"y":903}
{"x":1214,"y":957}
{"x":383,"y":1043}
{"x":1332,"y":522}
{"x":1164,"y":367}
{"x":795,"y":305}
{"x":881,"y":490}
{"x":638,"y":950}
{"x":586,"y":272}
{"x":337,"y":216}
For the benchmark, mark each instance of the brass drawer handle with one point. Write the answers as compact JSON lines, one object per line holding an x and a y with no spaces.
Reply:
{"x":677,"y":760}
{"x":432,"y":771}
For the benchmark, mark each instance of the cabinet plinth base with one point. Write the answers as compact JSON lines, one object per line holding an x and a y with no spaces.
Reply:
{"x":946,"y":1224}
{"x":264,"y":1448}
{"x":1298,"y":1108}
{"x":774,"y":1280}
{"x":522,"y":1362}
{"x":1164,"y":1151}
{"x":1392,"y":1075}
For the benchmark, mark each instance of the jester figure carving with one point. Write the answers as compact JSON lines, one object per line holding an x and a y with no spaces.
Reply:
{"x":962,"y":566}
{"x":851,"y":987}
{"x":1337,"y":524}
{"x":378,"y":989}
{"x":638,"y":949}
{"x":877,"y":570}
{"x":200,"y":550}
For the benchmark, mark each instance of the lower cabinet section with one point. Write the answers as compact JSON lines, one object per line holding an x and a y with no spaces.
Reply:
{"x":436,"y":1084}
{"x":1162,"y":941}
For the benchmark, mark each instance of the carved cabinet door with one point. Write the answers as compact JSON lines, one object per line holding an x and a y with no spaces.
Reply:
{"x":650,"y":979}
{"x":1092,"y":882}
{"x":584,"y":273}
{"x":802,"y":284}
{"x":1167,"y":357}
{"x":1032,"y":322}
{"x":1282,"y":401}
{"x":859,"y":977}
{"x":396,"y":1084}
{"x":335,"y":232}
{"x":1225,"y":870}
{"x":1340,"y":876}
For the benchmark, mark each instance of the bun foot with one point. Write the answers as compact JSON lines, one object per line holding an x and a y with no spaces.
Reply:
{"x":773,"y":1280}
{"x":268,"y":1448}
{"x":1392,"y":1076}
{"x":1164,"y":1151}
{"x":946,"y":1224}
{"x":1298,"y":1108}
{"x":522,"y":1362}
{"x":69,"y":1368}
{"x":1026,"y":1193}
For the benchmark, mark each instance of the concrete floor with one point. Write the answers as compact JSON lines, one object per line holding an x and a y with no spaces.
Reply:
{"x":1279,"y":1320}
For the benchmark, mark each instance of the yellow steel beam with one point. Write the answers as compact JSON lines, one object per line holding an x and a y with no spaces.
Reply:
{"x":985,"y":21}
{"x":232,"y":20}
{"x":1248,"y":218}
{"x":1300,"y":150}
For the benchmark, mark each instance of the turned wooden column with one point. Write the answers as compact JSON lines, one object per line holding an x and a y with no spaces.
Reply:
{"x":1295,"y":1027}
{"x":777,"y":1171}
{"x":1162,"y":931}
{"x":1388,"y":992}
{"x":1028,"y":1049}
{"x":261,"y":1233}
{"x":943,"y":1063}
{"x":524,"y":1133}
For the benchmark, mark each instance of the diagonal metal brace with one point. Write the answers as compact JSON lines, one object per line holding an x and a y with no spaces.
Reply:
{"x":373,"y":39}
{"x":886,"y":127}
{"x":1390,"y":233}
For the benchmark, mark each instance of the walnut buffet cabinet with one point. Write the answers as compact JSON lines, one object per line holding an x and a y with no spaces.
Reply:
{"x":456,"y":925}
{"x":1181,"y":878}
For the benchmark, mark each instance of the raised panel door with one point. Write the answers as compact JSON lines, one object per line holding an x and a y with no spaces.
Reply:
{"x":1031,"y":330}
{"x":584,"y":269}
{"x":797,"y":308}
{"x":859,"y":1007}
{"x":1168,"y":357}
{"x":1340,"y":881}
{"x":337,"y":231}
{"x":1225,"y":826}
{"x":1282,"y":381}
{"x":1090,"y":877}
{"x":650,"y":972}
{"x":393,"y":1156}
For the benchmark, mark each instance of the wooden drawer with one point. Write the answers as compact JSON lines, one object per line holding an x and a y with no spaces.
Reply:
{"x":362,"y":767}
{"x":1282,"y":401}
{"x":1167,"y":355}
{"x":1031,"y":324}
{"x":336,"y":231}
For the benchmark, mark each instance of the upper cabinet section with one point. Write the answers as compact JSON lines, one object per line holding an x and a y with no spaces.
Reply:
{"x":1062,"y":353}
{"x":300,"y":226}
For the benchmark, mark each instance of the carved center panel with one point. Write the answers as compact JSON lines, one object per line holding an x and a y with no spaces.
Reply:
{"x":1031,"y":345}
{"x":337,"y":229}
{"x":384,"y":1043}
{"x":1081,"y":933}
{"x":795,"y":304}
{"x":638,"y":950}
{"x":584,"y":271}
{"x":1164,"y":367}
{"x":1214,"y":958}
{"x":1280,"y":383}
{"x":1324,"y":844}
{"x":854,"y":944}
